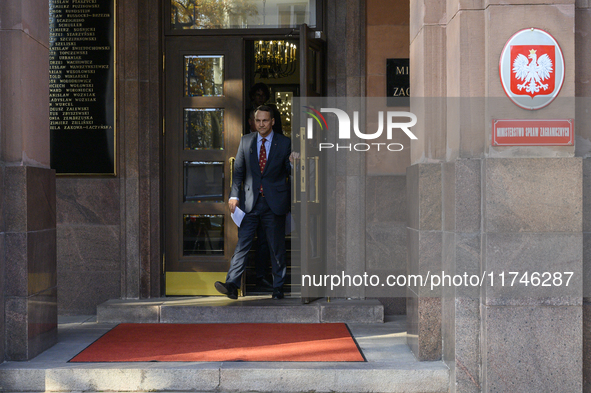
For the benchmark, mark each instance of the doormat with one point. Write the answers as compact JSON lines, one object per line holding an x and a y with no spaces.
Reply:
{"x":232,"y":342}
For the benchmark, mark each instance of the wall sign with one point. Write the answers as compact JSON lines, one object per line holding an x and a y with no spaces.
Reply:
{"x":81,"y":86}
{"x":531,"y":68}
{"x":397,"y":82}
{"x":558,"y":132}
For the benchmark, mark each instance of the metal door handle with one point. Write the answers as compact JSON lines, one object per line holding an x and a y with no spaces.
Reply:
{"x":294,"y":178}
{"x":316,"y":180}
{"x":303,"y":159}
{"x":231,"y":160}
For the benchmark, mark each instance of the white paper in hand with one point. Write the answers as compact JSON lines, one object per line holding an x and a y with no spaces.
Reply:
{"x":237,"y":216}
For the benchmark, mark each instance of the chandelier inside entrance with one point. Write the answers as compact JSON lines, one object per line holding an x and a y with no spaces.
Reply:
{"x":274,"y":59}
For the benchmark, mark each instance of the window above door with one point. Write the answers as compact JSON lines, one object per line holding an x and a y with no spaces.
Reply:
{"x":242,"y":14}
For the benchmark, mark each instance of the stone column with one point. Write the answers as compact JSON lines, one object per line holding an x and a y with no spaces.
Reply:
{"x":423,"y":306}
{"x":531,"y":197}
{"x":2,"y":265}
{"x":346,"y":169}
{"x":582,"y":78}
{"x":423,"y":178}
{"x":531,"y":224}
{"x":462,"y":191}
{"x":583,"y":149}
{"x":461,"y":254}
{"x":428,"y":79}
{"x":27,"y":185}
{"x":498,"y":340}
{"x":385,"y":185}
{"x":139,"y":117}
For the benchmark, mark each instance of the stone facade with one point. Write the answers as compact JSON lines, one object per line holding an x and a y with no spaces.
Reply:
{"x":462,"y":241}
{"x":424,"y":255}
{"x":109,"y":228}
{"x":452,"y":202}
{"x":492,"y":216}
{"x":28,"y":287}
{"x":387,"y":37}
{"x":583,"y":91}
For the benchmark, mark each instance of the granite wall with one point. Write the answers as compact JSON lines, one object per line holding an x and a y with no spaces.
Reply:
{"x":28,"y":284}
{"x":428,"y":80}
{"x":461,"y":254}
{"x":387,"y":37}
{"x":88,"y":243}
{"x":519,"y":346}
{"x":386,"y":251}
{"x":583,"y":89}
{"x":109,"y":228}
{"x":587,"y":275}
{"x":345,"y":171}
{"x":2,"y":263}
{"x":424,"y":248}
{"x":521,"y":210}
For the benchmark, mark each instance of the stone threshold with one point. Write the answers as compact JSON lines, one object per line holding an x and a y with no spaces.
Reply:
{"x":255,"y":309}
{"x":390,"y":368}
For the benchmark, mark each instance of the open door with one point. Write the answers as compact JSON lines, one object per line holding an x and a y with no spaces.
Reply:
{"x":309,"y":174}
{"x":203,"y":126}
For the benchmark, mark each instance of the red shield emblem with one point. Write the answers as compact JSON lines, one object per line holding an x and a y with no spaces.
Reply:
{"x":533,"y":69}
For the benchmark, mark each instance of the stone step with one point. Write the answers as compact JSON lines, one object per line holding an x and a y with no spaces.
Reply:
{"x":390,"y":368}
{"x":259,"y":309}
{"x":236,"y":377}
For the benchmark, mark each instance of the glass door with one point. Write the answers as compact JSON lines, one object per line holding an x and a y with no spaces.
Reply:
{"x":309,"y":181}
{"x":203,"y":125}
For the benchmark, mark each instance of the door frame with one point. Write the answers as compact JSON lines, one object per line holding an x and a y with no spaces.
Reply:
{"x":243,"y":35}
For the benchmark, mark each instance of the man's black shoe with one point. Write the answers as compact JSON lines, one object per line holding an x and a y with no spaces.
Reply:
{"x":227,"y":289}
{"x":278,"y":293}
{"x":264,"y":285}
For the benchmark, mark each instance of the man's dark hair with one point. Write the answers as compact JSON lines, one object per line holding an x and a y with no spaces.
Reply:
{"x":265,"y":108}
{"x":260,"y":86}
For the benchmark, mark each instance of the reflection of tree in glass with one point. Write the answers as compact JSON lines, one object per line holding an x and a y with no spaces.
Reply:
{"x":201,"y":78}
{"x":205,"y":129}
{"x":210,"y":14}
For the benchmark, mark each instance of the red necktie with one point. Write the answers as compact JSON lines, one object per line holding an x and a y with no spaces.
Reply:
{"x":262,"y":160}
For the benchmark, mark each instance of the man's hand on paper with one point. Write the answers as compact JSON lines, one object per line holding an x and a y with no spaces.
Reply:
{"x":232,"y":203}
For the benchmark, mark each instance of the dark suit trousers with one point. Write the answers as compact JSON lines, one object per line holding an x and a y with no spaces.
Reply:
{"x":262,"y":256}
{"x":274,"y":227}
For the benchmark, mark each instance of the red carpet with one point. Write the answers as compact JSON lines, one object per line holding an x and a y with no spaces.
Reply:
{"x":267,"y":342}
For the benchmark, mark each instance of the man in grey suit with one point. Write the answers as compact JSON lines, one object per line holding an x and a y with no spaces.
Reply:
{"x":263,"y":164}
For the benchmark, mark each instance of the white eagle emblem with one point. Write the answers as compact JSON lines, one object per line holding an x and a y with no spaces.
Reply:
{"x":533,"y":72}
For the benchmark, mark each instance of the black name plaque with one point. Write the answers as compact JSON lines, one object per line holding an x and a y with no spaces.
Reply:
{"x":397,"y":82}
{"x":81,"y":86}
